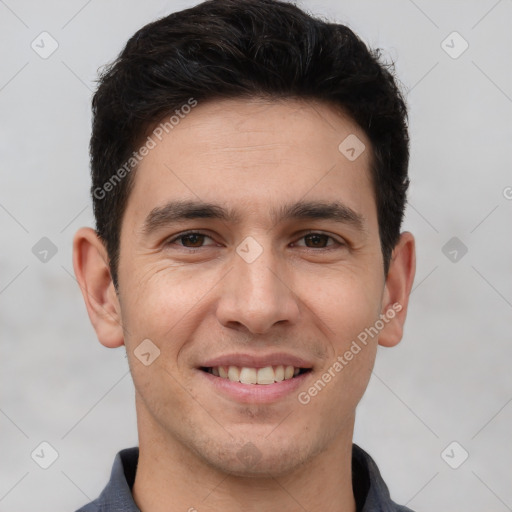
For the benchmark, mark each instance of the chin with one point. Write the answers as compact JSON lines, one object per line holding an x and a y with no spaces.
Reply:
{"x":258,"y":457}
{"x":275,"y":465}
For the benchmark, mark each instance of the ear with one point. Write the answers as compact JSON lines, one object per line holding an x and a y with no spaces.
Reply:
{"x":397,"y":289}
{"x":90,"y":261}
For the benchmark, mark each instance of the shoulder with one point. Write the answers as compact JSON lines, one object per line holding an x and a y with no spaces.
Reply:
{"x":117,"y":496}
{"x":370,"y":489}
{"x":93,"y":506}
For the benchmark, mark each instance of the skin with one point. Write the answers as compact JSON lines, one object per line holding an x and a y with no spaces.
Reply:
{"x":296,"y":297}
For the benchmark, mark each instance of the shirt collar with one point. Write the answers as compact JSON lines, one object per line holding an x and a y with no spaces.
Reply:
{"x":370,"y":490}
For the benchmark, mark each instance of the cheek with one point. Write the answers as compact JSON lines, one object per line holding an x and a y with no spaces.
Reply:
{"x":159,"y":309}
{"x":344,"y":301}
{"x":167,"y":308}
{"x":160,"y":302}
{"x":345,"y":307}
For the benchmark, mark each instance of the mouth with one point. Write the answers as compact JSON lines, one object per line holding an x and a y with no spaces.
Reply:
{"x":256,"y":376}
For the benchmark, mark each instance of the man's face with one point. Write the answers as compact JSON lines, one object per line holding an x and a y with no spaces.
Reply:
{"x":257,"y":290}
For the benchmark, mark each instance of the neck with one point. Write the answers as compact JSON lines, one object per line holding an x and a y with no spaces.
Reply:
{"x":171,"y":477}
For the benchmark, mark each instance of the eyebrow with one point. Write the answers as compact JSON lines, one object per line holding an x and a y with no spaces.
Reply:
{"x":176,"y":211}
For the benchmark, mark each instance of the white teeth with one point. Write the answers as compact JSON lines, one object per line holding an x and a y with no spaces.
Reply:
{"x":266,"y":375}
{"x":245,"y":375}
{"x":234,"y":373}
{"x":279,"y":373}
{"x":248,"y":376}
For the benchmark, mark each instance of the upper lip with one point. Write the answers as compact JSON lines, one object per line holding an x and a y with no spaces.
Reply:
{"x":256,"y":361}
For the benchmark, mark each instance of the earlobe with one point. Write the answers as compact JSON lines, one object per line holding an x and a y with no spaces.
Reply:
{"x":90,"y":262}
{"x":397,"y":290}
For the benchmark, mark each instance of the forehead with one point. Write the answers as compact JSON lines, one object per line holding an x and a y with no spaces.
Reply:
{"x":252,"y":153}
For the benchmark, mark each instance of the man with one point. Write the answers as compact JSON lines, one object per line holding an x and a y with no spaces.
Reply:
{"x":249,"y":167}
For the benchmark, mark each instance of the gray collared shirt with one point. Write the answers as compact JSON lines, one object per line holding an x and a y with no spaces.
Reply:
{"x":370,"y":490}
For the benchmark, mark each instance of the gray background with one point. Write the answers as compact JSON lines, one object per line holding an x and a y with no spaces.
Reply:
{"x":449,"y":380}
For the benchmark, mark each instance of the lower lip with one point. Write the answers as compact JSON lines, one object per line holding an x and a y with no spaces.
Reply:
{"x":255,"y":393}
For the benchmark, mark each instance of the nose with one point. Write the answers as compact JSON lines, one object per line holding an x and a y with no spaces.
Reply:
{"x":258,"y":294}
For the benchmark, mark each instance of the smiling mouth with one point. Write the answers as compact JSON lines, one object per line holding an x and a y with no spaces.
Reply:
{"x":262,"y":376}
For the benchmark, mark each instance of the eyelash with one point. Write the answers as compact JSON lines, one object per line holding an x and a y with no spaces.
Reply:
{"x":195,"y":249}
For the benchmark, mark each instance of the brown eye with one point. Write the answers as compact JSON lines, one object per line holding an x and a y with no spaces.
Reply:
{"x":317,"y":240}
{"x":191,"y":240}
{"x":195,"y":239}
